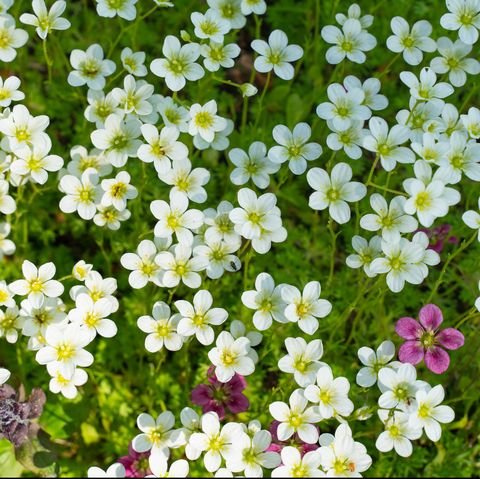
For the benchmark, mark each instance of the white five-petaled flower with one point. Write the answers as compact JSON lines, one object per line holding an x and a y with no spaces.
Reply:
{"x":117,"y":191}
{"x":38,"y":283}
{"x":133,"y":62}
{"x":9,"y":91}
{"x":373,"y":362}
{"x":196,"y":318}
{"x":123,"y":8}
{"x":334,"y":191}
{"x":296,"y":465}
{"x":230,"y":357}
{"x":179,"y":65}
{"x":296,"y":417}
{"x":293,"y":146}
{"x":205,"y":122}
{"x":365,"y":253}
{"x":12,"y":38}
{"x":464,"y":16}
{"x":210,"y":26}
{"x":276,"y":55}
{"x":411,"y":42}
{"x":46,"y":20}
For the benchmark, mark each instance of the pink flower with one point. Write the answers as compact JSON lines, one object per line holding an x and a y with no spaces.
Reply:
{"x":425,"y":341}
{"x":219,"y":397}
{"x":136,"y":463}
{"x":438,"y":236}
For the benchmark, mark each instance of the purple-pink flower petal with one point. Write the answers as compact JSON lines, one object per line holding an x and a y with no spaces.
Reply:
{"x":408,"y":328}
{"x":411,"y":352}
{"x":238,"y":403}
{"x":430,"y":316}
{"x":201,"y":395}
{"x":437,"y":360}
{"x":451,"y":338}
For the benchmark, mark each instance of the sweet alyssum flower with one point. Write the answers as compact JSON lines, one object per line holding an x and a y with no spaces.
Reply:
{"x":425,"y":341}
{"x":411,"y":42}
{"x":179,"y":63}
{"x":276,"y":55}
{"x":90,"y":68}
{"x":220,"y":397}
{"x":350,"y":42}
{"x":161,"y":329}
{"x":334,"y":191}
{"x":293,"y":146}
{"x":12,"y":38}
{"x":46,"y":20}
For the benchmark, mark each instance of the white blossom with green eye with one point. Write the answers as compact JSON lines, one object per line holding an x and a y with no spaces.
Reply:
{"x":123,"y":8}
{"x":46,"y":20}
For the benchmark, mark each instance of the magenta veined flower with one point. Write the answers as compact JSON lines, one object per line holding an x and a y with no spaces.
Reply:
{"x":424,"y":339}
{"x":136,"y":463}
{"x":220,"y":397}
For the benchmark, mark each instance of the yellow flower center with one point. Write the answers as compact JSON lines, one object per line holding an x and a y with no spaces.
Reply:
{"x":204,"y":119}
{"x":423,"y":201}
{"x":65,"y":351}
{"x":36,"y":285}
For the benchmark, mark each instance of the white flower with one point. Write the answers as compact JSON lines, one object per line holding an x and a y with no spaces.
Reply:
{"x":251,"y":456}
{"x":7,"y":203}
{"x":9,"y":91}
{"x":6,"y":296}
{"x":197,"y":318}
{"x":255,"y":165}
{"x":82,"y":194}
{"x":110,"y":217}
{"x":428,"y":414}
{"x":210,"y":26}
{"x":187,"y":181}
{"x":400,"y":263}
{"x":429,"y":149}
{"x":331,"y":394}
{"x":218,"y":55}
{"x":97,"y":287}
{"x":472,"y":219}
{"x":157,"y":435}
{"x":398,"y":433}
{"x":161,"y":148}
{"x":115,"y":470}
{"x":173,"y":114}
{"x":373,"y":362}
{"x":344,"y":457}
{"x":38,"y":283}
{"x":334,"y":191}
{"x":355,"y":12}
{"x":293,"y":463}
{"x":258,"y":7}
{"x":411,"y":42}
{"x":371,"y":88}
{"x":230,"y":357}
{"x":178,"y":265}
{"x":464,"y":16}
{"x":217,"y":442}
{"x":65,"y":348}
{"x":65,"y":384}
{"x":426,"y":87}
{"x":134,"y":62}
{"x":302,"y":360}
{"x":81,"y":270}
{"x":93,"y":316}
{"x":5,"y":5}
{"x":4,"y":375}
{"x":229,"y":10}
{"x":191,"y":424}
{"x":296,"y":418}
{"x":304,"y":308}
{"x":429,"y":197}
{"x":220,"y":226}
{"x":205,"y":121}
{"x":294,"y":147}
{"x":179,"y":63}
{"x":398,"y":386}
{"x":351,"y":42}
{"x":123,"y":8}
{"x":100,"y":107}
{"x":471,"y":122}
{"x":161,"y":329}
{"x":344,"y":107}
{"x":453,"y":60}
{"x":90,"y":68}
{"x":255,"y":214}
{"x":267,"y":300}
{"x":159,"y":467}
{"x":218,"y":257}
{"x":276,"y":55}
{"x":142,"y":265}
{"x":46,"y":20}
{"x":176,"y":218}
{"x":10,"y":323}
{"x":386,"y":143}
{"x":118,"y":138}
{"x":36,"y":162}
{"x":350,"y":139}
{"x":118,"y":191}
{"x":390,"y":219}
{"x":134,"y":96}
{"x":12,"y":38}
{"x":7,"y":247}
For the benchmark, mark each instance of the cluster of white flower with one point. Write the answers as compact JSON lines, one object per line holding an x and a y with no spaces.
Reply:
{"x":59,"y":336}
